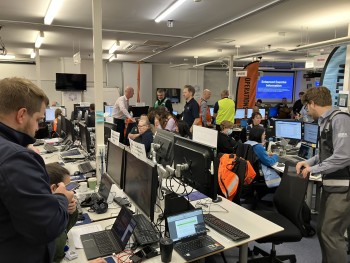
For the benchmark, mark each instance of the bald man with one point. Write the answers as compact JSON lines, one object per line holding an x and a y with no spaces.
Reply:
{"x":121,"y":113}
{"x":204,"y":111}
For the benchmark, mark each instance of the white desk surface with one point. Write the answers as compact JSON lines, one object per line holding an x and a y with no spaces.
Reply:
{"x":254,"y":225}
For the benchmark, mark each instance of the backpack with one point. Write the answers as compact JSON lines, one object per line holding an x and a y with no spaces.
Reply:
{"x":233,"y":173}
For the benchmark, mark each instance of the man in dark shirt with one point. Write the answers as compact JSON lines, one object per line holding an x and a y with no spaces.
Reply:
{"x":298,"y":104}
{"x":163,"y":101}
{"x":145,"y":135}
{"x":90,"y":122}
{"x":191,"y":109}
{"x":283,"y":110}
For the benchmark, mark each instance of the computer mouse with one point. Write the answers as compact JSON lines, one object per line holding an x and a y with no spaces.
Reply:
{"x":280,"y":165}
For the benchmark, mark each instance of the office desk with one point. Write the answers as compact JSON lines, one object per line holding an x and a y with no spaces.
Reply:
{"x":254,"y":225}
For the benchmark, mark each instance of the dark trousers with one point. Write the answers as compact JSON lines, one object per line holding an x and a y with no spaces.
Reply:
{"x":120,"y":128}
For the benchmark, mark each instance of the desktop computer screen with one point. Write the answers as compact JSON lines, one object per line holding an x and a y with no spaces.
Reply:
{"x":115,"y":167}
{"x":141,"y":183}
{"x":211,"y":109}
{"x":249,"y":113}
{"x":69,"y":129}
{"x":311,"y":132}
{"x":165,"y":140}
{"x":273,"y":112}
{"x":288,"y":129}
{"x":137,"y":111}
{"x":262,"y":112}
{"x":109,"y":110}
{"x":240,"y":114}
{"x":85,"y":137}
{"x":49,"y":115}
{"x":200,"y":161}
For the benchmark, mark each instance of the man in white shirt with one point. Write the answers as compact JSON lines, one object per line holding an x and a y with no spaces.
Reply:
{"x":121,"y":113}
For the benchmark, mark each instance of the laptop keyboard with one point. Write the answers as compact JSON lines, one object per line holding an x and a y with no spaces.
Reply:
{"x":85,"y":167}
{"x":144,"y":232}
{"x":194,"y":244}
{"x":103,"y":242}
{"x":224,"y":228}
{"x":50,"y":148}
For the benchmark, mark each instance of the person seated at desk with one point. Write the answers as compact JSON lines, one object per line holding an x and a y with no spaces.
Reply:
{"x":145,"y":135}
{"x":255,"y":121}
{"x":90,"y":122}
{"x":58,"y":113}
{"x":257,"y":141}
{"x":58,"y":174}
{"x":226,"y":143}
{"x":283,"y":110}
{"x":183,"y":130}
{"x":165,"y":120}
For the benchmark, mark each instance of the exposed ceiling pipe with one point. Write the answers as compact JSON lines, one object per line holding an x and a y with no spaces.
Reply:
{"x":322,"y":44}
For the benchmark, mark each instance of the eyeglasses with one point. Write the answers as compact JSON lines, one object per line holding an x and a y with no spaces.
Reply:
{"x":139,"y":126}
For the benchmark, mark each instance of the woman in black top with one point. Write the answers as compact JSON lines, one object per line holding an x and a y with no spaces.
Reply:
{"x":226,"y":143}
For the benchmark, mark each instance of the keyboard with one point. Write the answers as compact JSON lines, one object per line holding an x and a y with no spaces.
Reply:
{"x":103,"y":242}
{"x":293,"y":158}
{"x":50,"y":148}
{"x":145,"y":233}
{"x":85,"y":167}
{"x":194,"y":244}
{"x":71,"y":152}
{"x":224,"y":228}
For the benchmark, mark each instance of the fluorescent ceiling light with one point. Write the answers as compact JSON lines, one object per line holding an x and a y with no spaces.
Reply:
{"x":207,"y":63}
{"x":39,"y":39}
{"x":171,"y":8}
{"x":114,"y":47}
{"x":6,"y":57}
{"x":33,"y":54}
{"x":327,"y":43}
{"x":112,"y":58}
{"x":269,"y":51}
{"x":51,"y":11}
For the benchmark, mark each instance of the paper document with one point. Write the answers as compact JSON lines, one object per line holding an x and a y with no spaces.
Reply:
{"x":77,"y":232}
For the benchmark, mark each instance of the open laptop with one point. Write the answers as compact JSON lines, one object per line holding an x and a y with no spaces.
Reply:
{"x":305,"y":152}
{"x":103,"y":192}
{"x":107,"y":242}
{"x":188,"y":232}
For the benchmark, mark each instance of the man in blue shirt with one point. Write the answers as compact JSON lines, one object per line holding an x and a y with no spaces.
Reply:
{"x":191,"y":109}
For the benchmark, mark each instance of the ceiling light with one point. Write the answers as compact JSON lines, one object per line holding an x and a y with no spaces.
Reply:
{"x":51,"y":11}
{"x":6,"y":57}
{"x":327,"y":43}
{"x":112,"y":58}
{"x":39,"y":39}
{"x":114,"y":47}
{"x":208,"y":63}
{"x":33,"y":54}
{"x":167,"y":11}
{"x":269,"y":51}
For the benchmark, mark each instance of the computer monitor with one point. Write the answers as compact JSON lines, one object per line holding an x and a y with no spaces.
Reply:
{"x":115,"y":167}
{"x":244,"y":123}
{"x":109,"y":110}
{"x":49,"y":115}
{"x":200,"y":161}
{"x":141,"y":183}
{"x":311,"y":132}
{"x":249,"y":113}
{"x":69,"y":130}
{"x":240,"y":114}
{"x":85,"y":137}
{"x":165,"y":141}
{"x":78,"y":108}
{"x":288,"y":129}
{"x":273,"y":112}
{"x":105,"y":186}
{"x":137,"y":111}
{"x":211,"y":109}
{"x":262,"y":112}
{"x":175,"y":113}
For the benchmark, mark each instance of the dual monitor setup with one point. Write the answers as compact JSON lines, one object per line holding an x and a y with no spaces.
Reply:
{"x":192,"y":162}
{"x":243,"y":113}
{"x":296,"y":130}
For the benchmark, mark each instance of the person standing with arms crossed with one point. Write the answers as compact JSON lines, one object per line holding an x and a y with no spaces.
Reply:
{"x":191,"y":109}
{"x":204,"y":112}
{"x":333,"y":163}
{"x":121,"y":113}
{"x":31,"y":215}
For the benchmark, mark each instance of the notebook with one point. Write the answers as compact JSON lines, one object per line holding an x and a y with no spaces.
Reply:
{"x":305,"y":152}
{"x":107,"y":242}
{"x":188,"y":232}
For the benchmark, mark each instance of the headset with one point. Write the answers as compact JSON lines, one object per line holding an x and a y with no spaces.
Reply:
{"x":99,"y":207}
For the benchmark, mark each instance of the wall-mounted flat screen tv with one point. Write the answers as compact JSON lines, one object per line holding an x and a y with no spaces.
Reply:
{"x":70,"y":82}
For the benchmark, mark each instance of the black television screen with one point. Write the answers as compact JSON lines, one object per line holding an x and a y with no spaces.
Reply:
{"x":200,"y":161}
{"x":70,"y":82}
{"x":174,"y":95}
{"x":115,"y":164}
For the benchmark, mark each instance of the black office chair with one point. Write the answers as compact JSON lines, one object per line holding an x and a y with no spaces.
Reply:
{"x":288,"y":199}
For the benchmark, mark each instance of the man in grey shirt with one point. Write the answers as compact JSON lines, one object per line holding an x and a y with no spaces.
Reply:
{"x":333,"y":163}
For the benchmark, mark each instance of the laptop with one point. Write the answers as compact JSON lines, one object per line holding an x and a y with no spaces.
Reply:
{"x":188,"y":232}
{"x":103,"y":192}
{"x":305,"y":152}
{"x":107,"y":242}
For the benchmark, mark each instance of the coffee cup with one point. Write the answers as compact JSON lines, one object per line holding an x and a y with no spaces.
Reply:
{"x":92,"y":183}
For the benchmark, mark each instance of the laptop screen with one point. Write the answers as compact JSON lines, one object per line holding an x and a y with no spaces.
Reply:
{"x":105,"y":186}
{"x":305,"y":151}
{"x":187,"y":224}
{"x":124,"y":226}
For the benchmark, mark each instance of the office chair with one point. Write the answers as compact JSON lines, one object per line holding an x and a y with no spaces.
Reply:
{"x":288,"y":200}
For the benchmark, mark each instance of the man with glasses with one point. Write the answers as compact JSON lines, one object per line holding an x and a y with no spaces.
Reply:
{"x":31,"y":216}
{"x":333,"y":163}
{"x":145,"y":135}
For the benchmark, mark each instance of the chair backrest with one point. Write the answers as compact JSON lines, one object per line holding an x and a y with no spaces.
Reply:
{"x":250,"y":156}
{"x":290,"y":195}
